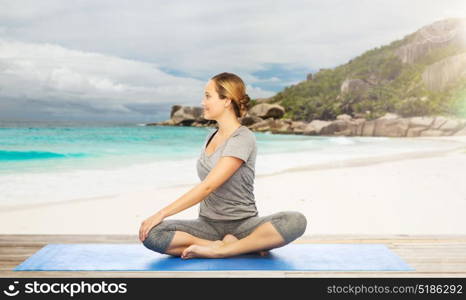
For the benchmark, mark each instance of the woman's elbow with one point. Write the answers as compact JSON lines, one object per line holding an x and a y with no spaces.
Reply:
{"x":206,"y":187}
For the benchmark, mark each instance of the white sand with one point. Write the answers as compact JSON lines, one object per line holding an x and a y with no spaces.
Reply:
{"x":398,"y":195}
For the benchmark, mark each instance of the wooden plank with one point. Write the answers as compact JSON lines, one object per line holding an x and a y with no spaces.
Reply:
{"x":74,"y":237}
{"x":431,"y":256}
{"x":43,"y":242}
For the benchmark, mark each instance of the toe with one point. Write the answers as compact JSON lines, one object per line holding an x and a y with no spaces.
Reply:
{"x":185,"y":252}
{"x":264,"y":253}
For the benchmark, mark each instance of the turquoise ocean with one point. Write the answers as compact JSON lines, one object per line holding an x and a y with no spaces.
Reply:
{"x":61,"y":161}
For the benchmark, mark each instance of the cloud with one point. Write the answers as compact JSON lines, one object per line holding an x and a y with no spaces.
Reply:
{"x":202,"y":38}
{"x":68,"y":81}
{"x":54,"y":72}
{"x":117,"y":55}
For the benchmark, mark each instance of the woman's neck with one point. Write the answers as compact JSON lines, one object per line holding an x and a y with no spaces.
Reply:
{"x":227,"y":127}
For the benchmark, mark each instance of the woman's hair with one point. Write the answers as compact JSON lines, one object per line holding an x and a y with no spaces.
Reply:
{"x":229,"y":85}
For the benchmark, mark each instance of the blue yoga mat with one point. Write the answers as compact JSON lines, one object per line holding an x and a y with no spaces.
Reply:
{"x":291,"y":257}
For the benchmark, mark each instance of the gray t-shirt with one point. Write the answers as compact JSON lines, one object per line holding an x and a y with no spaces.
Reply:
{"x":234,"y":199}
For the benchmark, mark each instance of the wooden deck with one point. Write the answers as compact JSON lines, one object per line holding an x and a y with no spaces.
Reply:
{"x":431,"y":256}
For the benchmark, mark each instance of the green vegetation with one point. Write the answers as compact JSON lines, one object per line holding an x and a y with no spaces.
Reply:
{"x":252,"y":102}
{"x":391,"y":86}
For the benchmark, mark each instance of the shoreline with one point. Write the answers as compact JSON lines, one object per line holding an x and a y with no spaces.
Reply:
{"x":347,"y":163}
{"x":408,"y":194}
{"x":367,"y":161}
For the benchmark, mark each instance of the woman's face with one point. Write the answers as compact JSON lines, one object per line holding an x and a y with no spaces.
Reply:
{"x":213,"y":106}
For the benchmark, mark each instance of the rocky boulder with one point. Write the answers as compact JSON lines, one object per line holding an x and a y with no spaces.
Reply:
{"x":439,"y":34}
{"x":340,"y":127}
{"x":461,"y":131}
{"x":266,"y":110}
{"x":390,"y":124}
{"x":298,"y":126}
{"x":351,"y":127}
{"x":174,"y":109}
{"x":353,"y":86}
{"x":249,"y":120}
{"x":391,"y":127}
{"x":418,"y":124}
{"x":316,"y":127}
{"x":441,"y":74}
{"x":273,"y":125}
{"x":186,"y":115}
{"x":344,"y":117}
{"x":442,"y":126}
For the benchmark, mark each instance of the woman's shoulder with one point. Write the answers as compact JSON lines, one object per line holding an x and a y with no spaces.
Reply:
{"x":245,"y":133}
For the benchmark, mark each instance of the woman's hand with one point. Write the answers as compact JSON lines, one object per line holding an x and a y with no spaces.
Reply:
{"x":148,"y":223}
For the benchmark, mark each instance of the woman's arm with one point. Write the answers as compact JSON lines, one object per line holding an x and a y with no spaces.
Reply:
{"x":224,"y":169}
{"x":190,"y":198}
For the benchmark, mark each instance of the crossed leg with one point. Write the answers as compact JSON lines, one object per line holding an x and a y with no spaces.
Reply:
{"x":230,"y":238}
{"x":182,"y":240}
{"x":174,"y":235}
{"x":198,"y":238}
{"x":264,"y":237}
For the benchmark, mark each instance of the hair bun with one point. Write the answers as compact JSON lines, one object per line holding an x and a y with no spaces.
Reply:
{"x":245,"y":99}
{"x":244,"y":105}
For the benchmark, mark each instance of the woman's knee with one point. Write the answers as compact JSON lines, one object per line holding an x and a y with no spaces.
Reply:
{"x":292,"y":225}
{"x":159,"y":238}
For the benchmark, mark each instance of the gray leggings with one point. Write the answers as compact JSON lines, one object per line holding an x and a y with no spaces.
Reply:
{"x":290,"y":225}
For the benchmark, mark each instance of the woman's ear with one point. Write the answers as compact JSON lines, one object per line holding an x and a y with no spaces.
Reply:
{"x":227,"y":102}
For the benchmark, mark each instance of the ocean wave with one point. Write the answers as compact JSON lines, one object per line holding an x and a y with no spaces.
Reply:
{"x":31,"y":155}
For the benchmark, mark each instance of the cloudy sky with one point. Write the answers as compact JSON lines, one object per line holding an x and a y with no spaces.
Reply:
{"x":130,"y":61}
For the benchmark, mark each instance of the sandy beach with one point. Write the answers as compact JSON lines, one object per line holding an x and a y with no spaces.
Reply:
{"x":402,"y":194}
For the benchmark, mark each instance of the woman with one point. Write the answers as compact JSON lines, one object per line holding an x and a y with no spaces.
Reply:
{"x":228,"y":223}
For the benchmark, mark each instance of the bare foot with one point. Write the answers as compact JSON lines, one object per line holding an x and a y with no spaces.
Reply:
{"x":264,"y":252}
{"x":230,"y":238}
{"x":216,"y":244}
{"x":200,"y":251}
